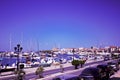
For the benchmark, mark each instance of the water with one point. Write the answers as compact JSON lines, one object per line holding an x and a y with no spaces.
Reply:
{"x":9,"y":61}
{"x":13,"y":60}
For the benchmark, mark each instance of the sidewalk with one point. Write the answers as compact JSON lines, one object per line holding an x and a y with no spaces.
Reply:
{"x":32,"y":70}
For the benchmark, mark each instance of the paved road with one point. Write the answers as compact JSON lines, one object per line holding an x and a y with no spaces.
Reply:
{"x":46,"y":73}
{"x":73,"y":72}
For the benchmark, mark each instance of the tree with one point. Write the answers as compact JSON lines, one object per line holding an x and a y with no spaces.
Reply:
{"x":82,"y":62}
{"x":20,"y":74}
{"x":61,"y":67}
{"x":76,"y":63}
{"x":40,"y":71}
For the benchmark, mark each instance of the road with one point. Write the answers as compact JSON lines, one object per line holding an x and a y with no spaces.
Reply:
{"x":74,"y":72}
{"x":47,"y":73}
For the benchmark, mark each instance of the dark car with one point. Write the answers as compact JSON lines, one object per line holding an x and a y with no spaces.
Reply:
{"x":115,"y":78}
{"x":67,"y":77}
{"x":90,"y":73}
{"x":106,"y":58}
{"x":105,"y":71}
{"x":115,"y":65}
{"x":118,"y":61}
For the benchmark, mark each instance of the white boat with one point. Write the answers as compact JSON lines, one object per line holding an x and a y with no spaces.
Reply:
{"x":49,"y":60}
{"x":70,"y":53}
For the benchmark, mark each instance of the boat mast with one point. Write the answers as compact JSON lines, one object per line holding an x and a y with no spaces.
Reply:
{"x":10,"y":42}
{"x":21,"y":38}
{"x":38,"y":45}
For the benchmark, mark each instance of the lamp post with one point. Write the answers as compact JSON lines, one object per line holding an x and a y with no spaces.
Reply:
{"x":18,"y":49}
{"x":73,"y":52}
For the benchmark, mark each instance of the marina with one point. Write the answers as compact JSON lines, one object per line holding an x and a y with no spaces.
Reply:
{"x":45,"y":59}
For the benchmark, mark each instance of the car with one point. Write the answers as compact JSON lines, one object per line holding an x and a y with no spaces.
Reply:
{"x":118,"y":61}
{"x":115,"y":65}
{"x":105,"y":71}
{"x":106,"y":58}
{"x":115,"y":78}
{"x":90,"y":73}
{"x":66,"y":77}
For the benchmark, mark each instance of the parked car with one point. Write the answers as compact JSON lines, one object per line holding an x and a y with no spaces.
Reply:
{"x":115,"y":78}
{"x":106,"y":58}
{"x":105,"y":71}
{"x":90,"y":73}
{"x":115,"y":65}
{"x":118,"y":61}
{"x":66,"y":77}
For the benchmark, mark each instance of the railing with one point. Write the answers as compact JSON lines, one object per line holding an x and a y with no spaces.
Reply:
{"x":7,"y":70}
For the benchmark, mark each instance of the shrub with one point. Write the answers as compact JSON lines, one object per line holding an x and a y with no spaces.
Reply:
{"x":39,"y":71}
{"x":82,"y":62}
{"x":76,"y":63}
{"x":20,"y":74}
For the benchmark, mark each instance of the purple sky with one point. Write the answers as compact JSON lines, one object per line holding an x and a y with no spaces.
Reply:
{"x":62,"y":23}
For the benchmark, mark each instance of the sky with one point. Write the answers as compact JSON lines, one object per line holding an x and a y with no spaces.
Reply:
{"x":44,"y":24}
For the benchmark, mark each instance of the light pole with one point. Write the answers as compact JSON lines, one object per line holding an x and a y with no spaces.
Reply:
{"x":73,"y":52}
{"x":18,"y":49}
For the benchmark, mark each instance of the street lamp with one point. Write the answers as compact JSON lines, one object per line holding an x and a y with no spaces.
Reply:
{"x":73,"y":52}
{"x":18,"y":49}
